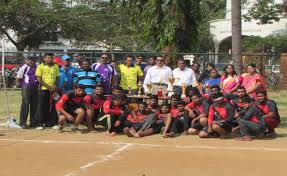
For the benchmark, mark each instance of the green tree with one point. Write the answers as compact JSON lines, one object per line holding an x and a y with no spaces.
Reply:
{"x":33,"y":21}
{"x":170,"y":25}
{"x":266,"y":11}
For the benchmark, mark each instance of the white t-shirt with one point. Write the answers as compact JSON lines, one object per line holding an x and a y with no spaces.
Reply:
{"x":157,"y":75}
{"x":186,"y":76}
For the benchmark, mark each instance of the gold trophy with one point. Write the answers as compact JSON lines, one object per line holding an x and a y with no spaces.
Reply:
{"x":183,"y":90}
{"x":140,"y":86}
{"x":149,"y":88}
{"x":172,"y":80}
{"x":160,"y":90}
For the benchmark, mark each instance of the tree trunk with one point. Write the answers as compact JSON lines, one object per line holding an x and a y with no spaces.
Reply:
{"x":168,"y":59}
{"x":236,"y":35}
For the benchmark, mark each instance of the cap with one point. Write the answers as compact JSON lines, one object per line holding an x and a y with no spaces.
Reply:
{"x":66,"y":57}
{"x":58,"y":61}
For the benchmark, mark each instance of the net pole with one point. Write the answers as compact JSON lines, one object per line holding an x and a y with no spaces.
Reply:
{"x":4,"y":80}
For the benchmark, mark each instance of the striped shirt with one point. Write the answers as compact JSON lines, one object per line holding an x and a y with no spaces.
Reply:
{"x":88,"y":79}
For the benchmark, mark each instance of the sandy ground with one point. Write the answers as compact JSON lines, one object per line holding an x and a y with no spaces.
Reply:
{"x":47,"y":153}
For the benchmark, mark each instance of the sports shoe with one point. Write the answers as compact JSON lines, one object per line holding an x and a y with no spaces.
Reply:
{"x":24,"y":126}
{"x":39,"y":128}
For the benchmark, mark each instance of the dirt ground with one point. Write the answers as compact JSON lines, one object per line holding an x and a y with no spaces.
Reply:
{"x":47,"y":153}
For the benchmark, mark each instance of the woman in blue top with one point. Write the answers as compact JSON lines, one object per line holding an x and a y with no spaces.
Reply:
{"x":212,"y":80}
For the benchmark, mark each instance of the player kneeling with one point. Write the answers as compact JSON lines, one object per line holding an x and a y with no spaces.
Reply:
{"x":251,"y":121}
{"x":180,"y":120}
{"x":71,"y":107}
{"x":220,"y":117}
{"x":135,"y":120}
{"x":198,"y":112}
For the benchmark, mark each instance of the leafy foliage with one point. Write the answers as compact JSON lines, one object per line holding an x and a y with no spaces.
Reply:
{"x":33,"y":21}
{"x":265,"y":11}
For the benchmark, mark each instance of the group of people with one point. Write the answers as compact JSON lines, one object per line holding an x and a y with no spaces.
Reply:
{"x":180,"y":101}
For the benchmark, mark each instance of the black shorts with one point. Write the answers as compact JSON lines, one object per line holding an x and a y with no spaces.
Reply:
{"x":69,"y":109}
{"x":197,"y":125}
{"x":157,"y":126}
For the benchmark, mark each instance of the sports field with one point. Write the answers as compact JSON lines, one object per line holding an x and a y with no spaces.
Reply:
{"x":47,"y":153}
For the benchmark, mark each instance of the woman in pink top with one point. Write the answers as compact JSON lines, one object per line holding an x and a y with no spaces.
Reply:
{"x":230,"y":81}
{"x":253,"y":81}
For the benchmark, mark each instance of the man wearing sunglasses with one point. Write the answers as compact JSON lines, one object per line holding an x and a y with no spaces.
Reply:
{"x":107,"y":72}
{"x":157,"y":76}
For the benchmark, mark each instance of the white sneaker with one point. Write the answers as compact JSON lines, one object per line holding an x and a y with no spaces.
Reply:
{"x":55,"y":127}
{"x":39,"y":128}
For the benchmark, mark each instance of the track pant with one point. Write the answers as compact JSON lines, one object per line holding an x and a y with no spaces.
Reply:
{"x":45,"y":115}
{"x":249,"y":128}
{"x":29,"y":102}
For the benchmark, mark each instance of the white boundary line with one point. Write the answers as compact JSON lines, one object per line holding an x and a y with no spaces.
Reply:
{"x":103,"y":159}
{"x":150,"y":145}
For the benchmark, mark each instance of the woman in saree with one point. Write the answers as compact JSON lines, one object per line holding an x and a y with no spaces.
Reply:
{"x":230,"y":81}
{"x":212,"y":80}
{"x":253,"y":81}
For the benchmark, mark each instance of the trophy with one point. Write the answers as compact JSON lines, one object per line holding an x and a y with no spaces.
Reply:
{"x":160,"y":90}
{"x":130,"y":90}
{"x":183,"y":90}
{"x":149,"y":88}
{"x":140,"y":86}
{"x":196,"y":84}
{"x":207,"y":88}
{"x":172,"y":80}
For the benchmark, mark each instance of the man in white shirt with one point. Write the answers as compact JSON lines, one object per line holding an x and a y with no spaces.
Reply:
{"x":182,"y":75}
{"x":157,"y":76}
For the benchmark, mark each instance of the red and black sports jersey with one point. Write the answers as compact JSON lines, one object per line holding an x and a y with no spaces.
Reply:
{"x":203,"y":107}
{"x":173,"y":112}
{"x":95,"y":101}
{"x":268,"y":106}
{"x":69,"y":99}
{"x":109,"y":108}
{"x":224,"y":112}
{"x":140,"y":117}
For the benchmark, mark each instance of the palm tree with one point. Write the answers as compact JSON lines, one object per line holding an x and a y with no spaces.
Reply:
{"x":236,"y":34}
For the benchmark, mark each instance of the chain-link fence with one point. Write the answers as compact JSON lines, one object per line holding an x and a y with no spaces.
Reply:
{"x":267,"y":64}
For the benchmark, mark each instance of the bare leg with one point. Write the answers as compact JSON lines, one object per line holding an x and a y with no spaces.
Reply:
{"x":80,"y":116}
{"x":167,"y":123}
{"x":203,"y":121}
{"x":146,"y":132}
{"x":61,"y":121}
{"x":89,"y":117}
{"x":216,"y":128}
{"x":203,"y":134}
{"x":193,"y":131}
